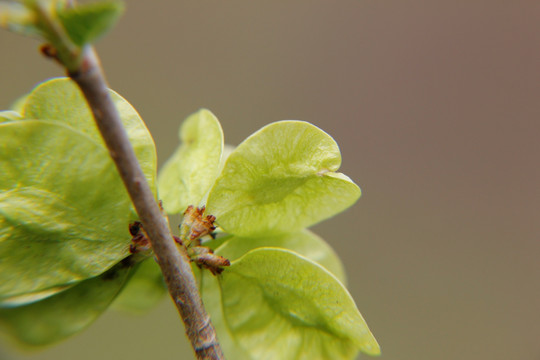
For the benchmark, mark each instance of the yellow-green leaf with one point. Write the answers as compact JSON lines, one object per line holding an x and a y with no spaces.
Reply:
{"x":303,"y":242}
{"x":281,"y":179}
{"x":188,"y":175}
{"x":280,"y":305}
{"x":64,"y":212}
{"x":85,"y":23}
{"x":144,"y":290}
{"x":61,"y":100}
{"x":66,"y":313}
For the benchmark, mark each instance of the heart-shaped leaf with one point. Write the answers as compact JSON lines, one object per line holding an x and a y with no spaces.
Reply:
{"x":67,"y":312}
{"x":64,"y":212}
{"x":275,"y":296}
{"x":280,"y":180}
{"x":188,"y":175}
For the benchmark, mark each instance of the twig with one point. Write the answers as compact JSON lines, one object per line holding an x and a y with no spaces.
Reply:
{"x":174,"y":263}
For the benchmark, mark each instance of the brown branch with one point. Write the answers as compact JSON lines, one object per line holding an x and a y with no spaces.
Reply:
{"x":174,"y":263}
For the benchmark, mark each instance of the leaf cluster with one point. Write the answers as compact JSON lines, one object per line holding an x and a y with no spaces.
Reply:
{"x":64,"y":228}
{"x":64,"y":214}
{"x":284,"y":284}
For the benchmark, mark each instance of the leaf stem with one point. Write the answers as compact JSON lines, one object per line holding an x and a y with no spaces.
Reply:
{"x":173,"y":260}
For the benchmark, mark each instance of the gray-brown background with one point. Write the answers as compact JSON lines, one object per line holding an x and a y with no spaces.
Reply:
{"x":435,"y":105}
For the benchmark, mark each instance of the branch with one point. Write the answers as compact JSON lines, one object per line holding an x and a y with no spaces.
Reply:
{"x":174,"y":262}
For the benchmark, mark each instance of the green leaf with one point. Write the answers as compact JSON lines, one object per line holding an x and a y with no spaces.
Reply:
{"x":61,"y":100}
{"x":32,"y":297}
{"x":18,"y":104}
{"x":85,"y":23}
{"x":144,"y":290}
{"x":281,"y":179}
{"x":64,"y":212}
{"x":210,"y":292}
{"x":9,"y":115}
{"x":67,"y":312}
{"x":188,"y":175}
{"x":303,"y":242}
{"x":18,"y":18}
{"x":272,"y":296}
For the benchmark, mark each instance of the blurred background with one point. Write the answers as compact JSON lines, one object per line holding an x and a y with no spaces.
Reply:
{"x":436,"y":107}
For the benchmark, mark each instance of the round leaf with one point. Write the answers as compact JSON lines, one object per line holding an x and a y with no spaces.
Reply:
{"x":281,"y":179}
{"x":188,"y":175}
{"x":273,"y":296}
{"x":64,"y":212}
{"x":61,"y":100}
{"x":65,"y":313}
